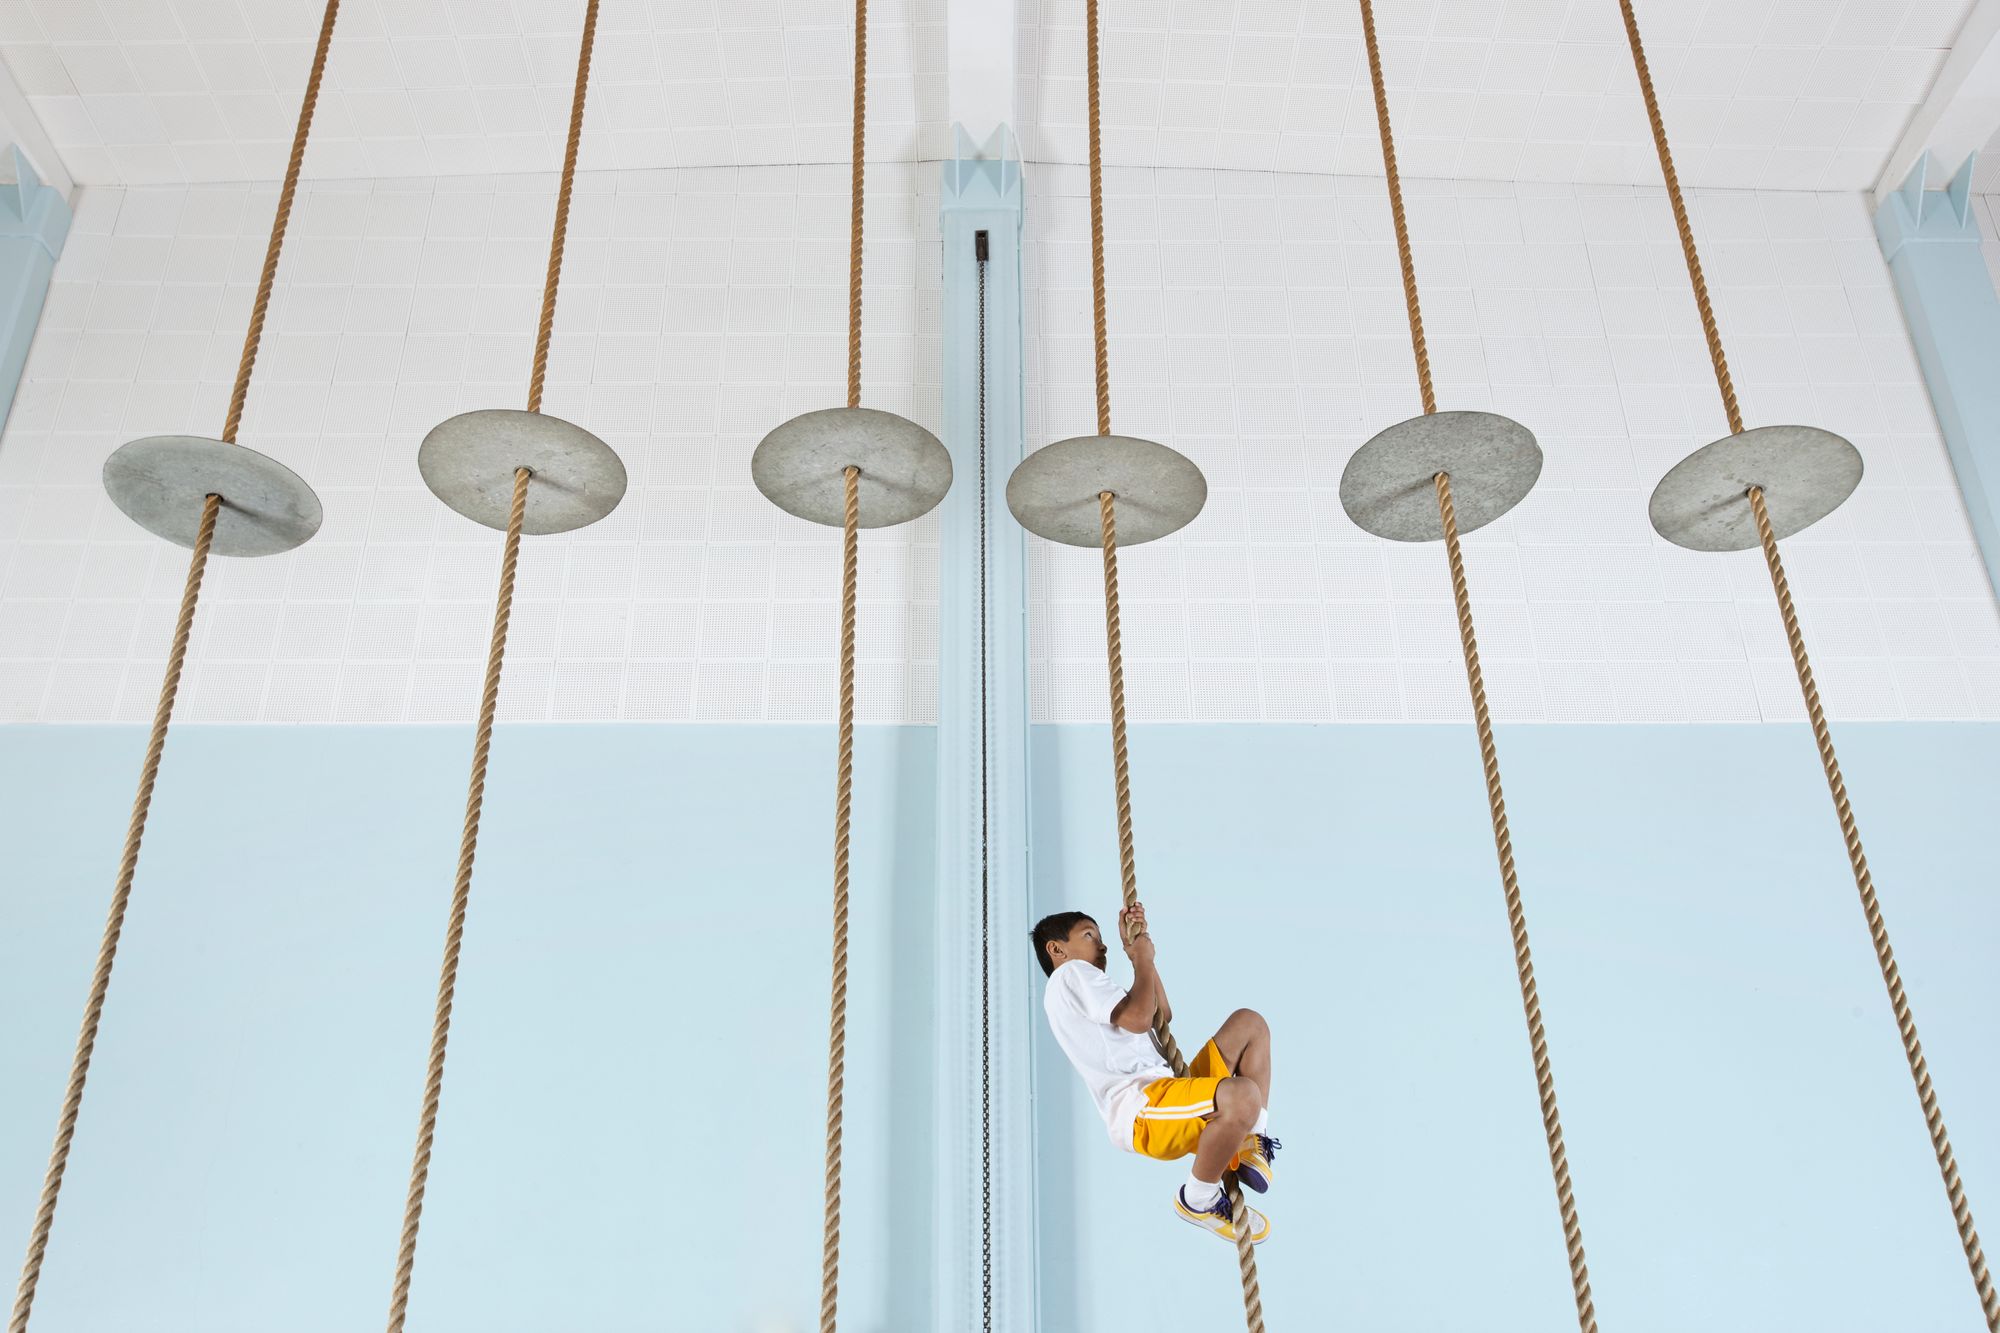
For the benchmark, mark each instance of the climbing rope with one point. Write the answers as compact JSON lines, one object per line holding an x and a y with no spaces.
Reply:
{"x":1878,"y":930}
{"x":1128,"y":872}
{"x":1517,"y":917}
{"x":114,"y":926}
{"x":1246,"y":1259}
{"x":843,"y":809}
{"x":857,"y":194}
{"x":489,"y":704}
{"x":461,"y":892}
{"x":559,"y":233}
{"x":1709,"y":328}
{"x":1418,"y":344}
{"x":843,"y":806}
{"x":128,"y":862}
{"x":1097,"y":308}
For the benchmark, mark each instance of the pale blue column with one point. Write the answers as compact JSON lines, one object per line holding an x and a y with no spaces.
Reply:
{"x":34,"y":220}
{"x":1932,"y":244}
{"x":983,"y":194}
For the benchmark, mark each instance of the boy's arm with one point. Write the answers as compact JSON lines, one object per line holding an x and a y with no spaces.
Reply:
{"x":1140,"y":1008}
{"x":1132,"y":921}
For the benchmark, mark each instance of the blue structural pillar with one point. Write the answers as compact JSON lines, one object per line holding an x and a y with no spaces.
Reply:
{"x":983,"y":1209}
{"x":33,"y":222}
{"x":1932,"y":244}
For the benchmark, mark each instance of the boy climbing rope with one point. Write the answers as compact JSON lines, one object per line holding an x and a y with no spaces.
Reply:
{"x":1216,"y":1113}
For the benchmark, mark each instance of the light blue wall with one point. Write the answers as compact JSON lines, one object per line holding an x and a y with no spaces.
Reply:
{"x":633,"y":1113}
{"x":631,"y":1129}
{"x":1747,"y":1148}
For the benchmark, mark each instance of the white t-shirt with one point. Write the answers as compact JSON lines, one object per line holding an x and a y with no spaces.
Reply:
{"x":1115,"y":1065}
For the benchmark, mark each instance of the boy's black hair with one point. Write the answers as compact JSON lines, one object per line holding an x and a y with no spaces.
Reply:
{"x":1056,"y":927}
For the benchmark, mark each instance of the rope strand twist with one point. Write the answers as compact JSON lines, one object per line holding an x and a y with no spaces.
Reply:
{"x":843,"y":809}
{"x":1517,"y":916}
{"x":1709,"y":328}
{"x":1099,"y":326}
{"x":545,"y":330}
{"x":461,"y":893}
{"x":1128,"y":872}
{"x":1418,"y":344}
{"x":281,"y":221}
{"x":114,"y":925}
{"x":1878,"y":928}
{"x":857,"y":193}
{"x":128,"y":864}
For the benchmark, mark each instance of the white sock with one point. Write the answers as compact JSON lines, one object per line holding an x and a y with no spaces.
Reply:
{"x":1199,"y":1194}
{"x":1263,"y":1119}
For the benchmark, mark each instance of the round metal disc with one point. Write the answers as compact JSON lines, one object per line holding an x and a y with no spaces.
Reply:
{"x":1053,"y":493}
{"x":1805,"y":474}
{"x":469,"y":463}
{"x":1389,"y":487}
{"x":802,"y":467}
{"x":162,"y":482}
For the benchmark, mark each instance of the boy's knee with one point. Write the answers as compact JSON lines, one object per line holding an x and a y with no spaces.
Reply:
{"x":1251,"y":1019}
{"x":1238,"y":1099}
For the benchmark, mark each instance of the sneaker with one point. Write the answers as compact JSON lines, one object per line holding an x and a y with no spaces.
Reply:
{"x":1253,"y":1162}
{"x":1216,"y":1218}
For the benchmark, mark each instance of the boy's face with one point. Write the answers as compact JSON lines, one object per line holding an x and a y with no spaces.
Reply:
{"x":1084,"y":942}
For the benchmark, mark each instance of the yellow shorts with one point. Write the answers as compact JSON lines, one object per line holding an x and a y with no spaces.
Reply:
{"x":1170,"y":1123}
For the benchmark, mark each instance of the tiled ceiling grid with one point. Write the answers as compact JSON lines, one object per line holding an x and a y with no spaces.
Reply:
{"x":1806,"y":94}
{"x":698,"y":309}
{"x":162,"y":91}
{"x":1258,"y":325}
{"x":1759,"y":94}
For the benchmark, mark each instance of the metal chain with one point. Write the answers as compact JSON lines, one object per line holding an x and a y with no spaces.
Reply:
{"x":985,"y":859}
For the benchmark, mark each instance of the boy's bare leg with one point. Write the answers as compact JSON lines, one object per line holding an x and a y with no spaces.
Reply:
{"x":1237,"y":1102}
{"x":1245,"y":1042}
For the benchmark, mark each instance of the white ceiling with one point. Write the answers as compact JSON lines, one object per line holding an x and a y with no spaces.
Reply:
{"x":1767,"y":93}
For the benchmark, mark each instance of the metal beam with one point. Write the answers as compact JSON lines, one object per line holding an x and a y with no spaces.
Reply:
{"x":1961,"y":115}
{"x":980,"y":37}
{"x":34,"y":220}
{"x":1931,"y":241}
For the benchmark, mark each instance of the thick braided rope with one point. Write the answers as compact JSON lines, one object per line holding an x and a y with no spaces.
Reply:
{"x":261,"y":307}
{"x":857,"y":192}
{"x":38,"y":1242}
{"x":1121,"y":767}
{"x":559,"y":234}
{"x":1517,"y":916}
{"x":461,"y":892}
{"x":1878,"y":928}
{"x":843,"y":810}
{"x":1418,"y":345}
{"x":1709,"y":328}
{"x":1099,"y":326}
{"x":114,"y":925}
